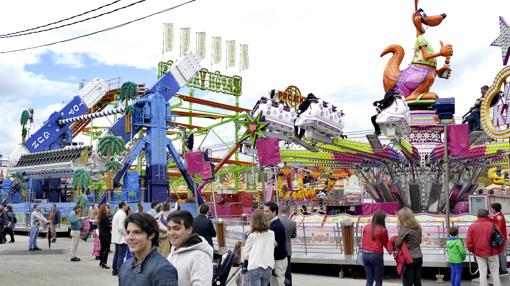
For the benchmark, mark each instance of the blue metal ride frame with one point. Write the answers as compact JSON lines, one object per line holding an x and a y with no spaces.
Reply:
{"x":152,"y":112}
{"x":184,"y":172}
{"x":50,"y":135}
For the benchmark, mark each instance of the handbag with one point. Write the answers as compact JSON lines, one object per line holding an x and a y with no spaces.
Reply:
{"x":497,"y":239}
{"x":244,"y":266}
{"x":359,"y":257}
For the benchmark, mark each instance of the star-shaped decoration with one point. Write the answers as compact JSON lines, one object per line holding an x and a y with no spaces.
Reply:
{"x":254,"y":128}
{"x":503,"y":40}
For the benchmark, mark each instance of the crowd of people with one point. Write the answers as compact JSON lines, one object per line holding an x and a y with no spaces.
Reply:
{"x":169,"y":245}
{"x":405,"y":247}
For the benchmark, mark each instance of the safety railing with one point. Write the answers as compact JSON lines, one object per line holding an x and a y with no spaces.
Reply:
{"x":328,"y":238}
{"x":433,"y":234}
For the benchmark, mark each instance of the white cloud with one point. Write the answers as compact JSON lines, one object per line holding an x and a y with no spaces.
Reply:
{"x":70,"y":60}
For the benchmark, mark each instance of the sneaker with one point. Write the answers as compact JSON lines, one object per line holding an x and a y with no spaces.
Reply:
{"x":75,"y":259}
{"x":37,"y":248}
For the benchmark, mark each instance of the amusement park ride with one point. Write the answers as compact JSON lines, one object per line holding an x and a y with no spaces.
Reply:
{"x":429,"y":164}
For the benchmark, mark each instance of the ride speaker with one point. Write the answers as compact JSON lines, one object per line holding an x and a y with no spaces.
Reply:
{"x":434,"y":197}
{"x":415,"y":194}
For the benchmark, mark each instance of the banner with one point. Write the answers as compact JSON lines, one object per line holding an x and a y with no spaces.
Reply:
{"x":216,"y":50}
{"x":231,"y":53}
{"x":185,"y":38}
{"x":458,"y":139}
{"x":168,"y":36}
{"x":244,"y":58}
{"x":201,"y":44}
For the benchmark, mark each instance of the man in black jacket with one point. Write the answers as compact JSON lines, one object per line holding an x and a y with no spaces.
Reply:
{"x":4,"y":220}
{"x":303,"y":106}
{"x":203,"y":226}
{"x":280,"y":251}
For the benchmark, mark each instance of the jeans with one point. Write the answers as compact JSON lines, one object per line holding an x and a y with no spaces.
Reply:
{"x":412,"y":273}
{"x":288,"y":273}
{"x":118,"y":257}
{"x":493,"y":263}
{"x":259,"y":276}
{"x":32,"y":241}
{"x":456,"y":277}
{"x":374,"y":268}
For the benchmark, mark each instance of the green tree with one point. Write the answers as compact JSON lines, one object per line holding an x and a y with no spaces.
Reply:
{"x":127,"y":93}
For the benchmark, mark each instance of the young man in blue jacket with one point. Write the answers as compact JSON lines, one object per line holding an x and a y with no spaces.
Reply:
{"x":147,"y":266}
{"x":280,"y":251}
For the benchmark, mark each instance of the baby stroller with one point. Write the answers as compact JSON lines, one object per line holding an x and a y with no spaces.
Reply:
{"x":221,"y":271}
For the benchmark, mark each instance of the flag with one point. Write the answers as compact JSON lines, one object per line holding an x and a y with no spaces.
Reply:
{"x":244,"y":58}
{"x":216,"y":50}
{"x":185,"y":38}
{"x":231,"y":53}
{"x":458,"y":139}
{"x":169,"y":36}
{"x":201,"y":44}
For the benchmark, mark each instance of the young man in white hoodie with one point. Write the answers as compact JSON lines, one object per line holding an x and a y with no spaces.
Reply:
{"x":190,"y":253}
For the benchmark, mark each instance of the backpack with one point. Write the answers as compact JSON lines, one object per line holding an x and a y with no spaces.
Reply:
{"x":497,"y":238}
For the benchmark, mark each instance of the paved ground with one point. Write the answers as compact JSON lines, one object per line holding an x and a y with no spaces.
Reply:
{"x":20,"y":267}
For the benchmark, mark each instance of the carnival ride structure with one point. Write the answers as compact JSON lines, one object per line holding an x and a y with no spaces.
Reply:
{"x":49,"y":154}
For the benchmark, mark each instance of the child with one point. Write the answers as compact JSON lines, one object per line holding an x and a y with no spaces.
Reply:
{"x":97,"y":244}
{"x":456,"y":255}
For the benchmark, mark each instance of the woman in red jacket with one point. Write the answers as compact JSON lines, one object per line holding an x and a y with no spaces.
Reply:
{"x":375,"y":237}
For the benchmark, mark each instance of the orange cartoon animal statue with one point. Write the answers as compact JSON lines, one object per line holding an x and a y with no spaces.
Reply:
{"x":415,"y":81}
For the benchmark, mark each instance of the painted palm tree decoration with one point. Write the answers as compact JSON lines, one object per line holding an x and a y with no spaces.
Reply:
{"x":112,"y":167}
{"x":254,"y":128}
{"x":22,"y":185}
{"x":25,"y":116}
{"x":110,"y":146}
{"x":127,"y":93}
{"x":81,"y":180}
{"x":82,"y":201}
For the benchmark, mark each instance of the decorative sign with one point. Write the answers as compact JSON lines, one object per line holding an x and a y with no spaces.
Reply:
{"x":496,"y":120}
{"x":206,"y":80}
{"x":291,"y":96}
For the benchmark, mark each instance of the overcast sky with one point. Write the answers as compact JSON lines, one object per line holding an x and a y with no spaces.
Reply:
{"x":330,"y":48}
